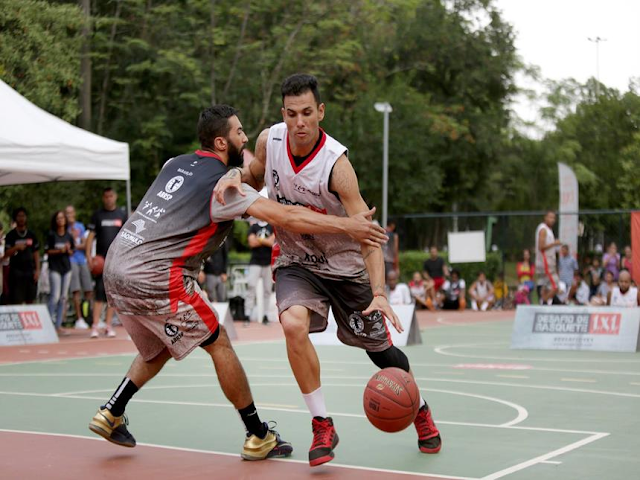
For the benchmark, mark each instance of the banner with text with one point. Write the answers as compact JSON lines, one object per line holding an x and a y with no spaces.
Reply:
{"x":26,"y":324}
{"x":607,"y":329}
{"x":406,"y":314}
{"x":568,"y":227}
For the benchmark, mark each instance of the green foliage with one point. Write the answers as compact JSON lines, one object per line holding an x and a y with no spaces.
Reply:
{"x":241,"y":234}
{"x":413,"y":261}
{"x":40,"y":53}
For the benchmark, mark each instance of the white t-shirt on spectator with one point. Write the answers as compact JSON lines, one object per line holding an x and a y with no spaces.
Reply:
{"x":582,"y":293}
{"x":400,"y":295}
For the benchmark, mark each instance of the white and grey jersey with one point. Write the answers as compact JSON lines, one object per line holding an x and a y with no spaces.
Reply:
{"x":331,"y":256}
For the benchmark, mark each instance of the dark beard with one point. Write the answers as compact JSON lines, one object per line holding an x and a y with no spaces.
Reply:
{"x":236,"y":158}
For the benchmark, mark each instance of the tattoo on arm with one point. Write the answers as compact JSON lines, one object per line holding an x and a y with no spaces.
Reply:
{"x":233,"y":173}
{"x":367,"y":252}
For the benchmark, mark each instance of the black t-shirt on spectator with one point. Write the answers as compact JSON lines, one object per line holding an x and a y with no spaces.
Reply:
{"x":59,"y":262}
{"x":106,"y":224}
{"x":261,"y":255}
{"x":435,"y":268}
{"x":216,"y":264}
{"x":22,"y":261}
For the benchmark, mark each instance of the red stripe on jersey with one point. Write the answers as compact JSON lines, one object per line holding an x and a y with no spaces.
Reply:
{"x":202,"y":153}
{"x":311,"y":156}
{"x":177,"y":292}
{"x":386,"y":327}
{"x":546,"y":269}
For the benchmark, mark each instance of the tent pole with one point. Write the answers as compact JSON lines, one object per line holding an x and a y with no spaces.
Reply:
{"x":129,"y":197}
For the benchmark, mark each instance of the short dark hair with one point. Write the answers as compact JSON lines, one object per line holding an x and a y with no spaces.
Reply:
{"x":455,"y":271}
{"x":17,"y":211}
{"x":107,"y":190}
{"x":54,"y":222}
{"x":213,"y":123}
{"x":298,"y":84}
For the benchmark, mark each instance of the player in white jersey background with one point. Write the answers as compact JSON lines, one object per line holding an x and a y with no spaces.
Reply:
{"x":302,"y":165}
{"x":546,"y":259}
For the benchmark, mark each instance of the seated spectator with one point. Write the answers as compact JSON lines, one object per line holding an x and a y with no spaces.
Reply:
{"x":398,"y":293}
{"x":418,"y":288}
{"x":627,"y":261}
{"x":579,"y":292}
{"x":593,"y":274}
{"x":501,"y":291}
{"x":611,"y":260}
{"x":522,"y":296}
{"x":623,"y":294}
{"x":481,"y":293}
{"x":452,"y":296}
{"x":525,"y":272}
{"x":600,"y":298}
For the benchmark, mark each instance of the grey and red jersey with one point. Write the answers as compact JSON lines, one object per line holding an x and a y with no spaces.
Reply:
{"x":157,"y":255}
{"x":331,"y":256}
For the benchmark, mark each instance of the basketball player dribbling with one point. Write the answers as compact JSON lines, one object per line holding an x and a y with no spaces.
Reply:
{"x":302,"y":165}
{"x":151,"y":270}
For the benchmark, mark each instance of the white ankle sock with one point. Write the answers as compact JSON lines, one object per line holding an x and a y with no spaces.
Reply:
{"x":422,"y":402}
{"x":315,"y":403}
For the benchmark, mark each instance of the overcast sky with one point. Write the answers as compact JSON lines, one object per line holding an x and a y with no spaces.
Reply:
{"x":553,"y":35}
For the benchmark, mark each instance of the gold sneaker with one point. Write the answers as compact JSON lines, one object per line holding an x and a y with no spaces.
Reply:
{"x":112,"y":428}
{"x":271,"y":446}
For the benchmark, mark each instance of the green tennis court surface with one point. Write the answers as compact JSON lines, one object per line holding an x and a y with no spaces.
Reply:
{"x":502,"y":413}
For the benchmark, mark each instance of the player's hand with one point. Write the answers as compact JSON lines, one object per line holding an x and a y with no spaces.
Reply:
{"x":223,"y":277}
{"x":21,"y":247}
{"x":90,"y":263}
{"x":381,"y":304}
{"x":232,"y":179}
{"x":36,"y":276}
{"x":363,"y":230}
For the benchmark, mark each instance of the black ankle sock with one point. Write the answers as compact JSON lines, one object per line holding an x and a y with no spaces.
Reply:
{"x":121,"y":397}
{"x":251,"y":420}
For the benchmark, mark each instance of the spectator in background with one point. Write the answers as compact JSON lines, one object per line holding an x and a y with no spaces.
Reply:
{"x":594,"y":274}
{"x":579,"y":292}
{"x":453,"y":293}
{"x":567,"y":266}
{"x":435,"y":269}
{"x":611,"y":260}
{"x":60,"y":246}
{"x":80,"y":276}
{"x":546,"y":261}
{"x":104,"y":227}
{"x":215,"y":269}
{"x":21,"y":248}
{"x":398,"y":293}
{"x":623,"y":294}
{"x":627,"y":261}
{"x":1,"y":260}
{"x":391,"y":249}
{"x":419,"y":289}
{"x":261,"y":240}
{"x":481,"y":293}
{"x":501,"y":291}
{"x":525,"y":271}
{"x":600,"y":298}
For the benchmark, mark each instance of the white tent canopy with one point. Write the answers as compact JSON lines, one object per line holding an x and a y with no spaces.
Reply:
{"x":36,"y":147}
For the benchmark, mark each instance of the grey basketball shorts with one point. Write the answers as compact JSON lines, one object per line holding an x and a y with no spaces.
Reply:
{"x":298,"y":286}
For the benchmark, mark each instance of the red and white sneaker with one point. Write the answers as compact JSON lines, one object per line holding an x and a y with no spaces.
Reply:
{"x":429,"y":440}
{"x":325,"y":439}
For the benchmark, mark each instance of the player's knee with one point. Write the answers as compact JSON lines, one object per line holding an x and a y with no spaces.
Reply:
{"x":219,"y":337}
{"x":294,"y":323}
{"x":391,"y":357}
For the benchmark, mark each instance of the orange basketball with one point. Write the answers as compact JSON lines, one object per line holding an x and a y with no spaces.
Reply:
{"x":391,"y":400}
{"x":97,"y":265}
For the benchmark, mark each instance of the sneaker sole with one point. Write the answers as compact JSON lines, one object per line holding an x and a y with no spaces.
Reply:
{"x":430,"y":450}
{"x":107,"y":436}
{"x":327,"y":458}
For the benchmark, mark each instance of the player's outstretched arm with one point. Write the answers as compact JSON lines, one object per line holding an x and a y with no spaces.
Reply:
{"x":253,"y":174}
{"x":302,"y":220}
{"x":344,"y":182}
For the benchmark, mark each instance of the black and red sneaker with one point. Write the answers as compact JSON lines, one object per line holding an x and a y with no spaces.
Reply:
{"x":429,"y":440}
{"x":325,"y":439}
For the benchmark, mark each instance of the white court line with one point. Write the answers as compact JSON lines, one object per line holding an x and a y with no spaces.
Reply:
{"x":441,"y":350}
{"x":227,"y":454}
{"x":579,"y":380}
{"x":545,"y":457}
{"x":634,"y":383}
{"x":330,"y":377}
{"x":551,"y":462}
{"x":522,"y":413}
{"x":504,"y":375}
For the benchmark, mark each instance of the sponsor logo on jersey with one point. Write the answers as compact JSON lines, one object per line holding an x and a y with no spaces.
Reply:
{"x":276,"y":139}
{"x":356,"y":323}
{"x":139,"y":224}
{"x":299,"y":188}
{"x":172,"y":332}
{"x":315,"y":259}
{"x":131,"y":237}
{"x":185,"y":172}
{"x":174,"y":184}
{"x":285,"y":201}
{"x":276,"y":178}
{"x":151,"y":210}
{"x":164,"y":195}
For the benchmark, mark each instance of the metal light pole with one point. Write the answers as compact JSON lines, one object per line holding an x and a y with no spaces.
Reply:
{"x":385,"y":108}
{"x":597,"y":41}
